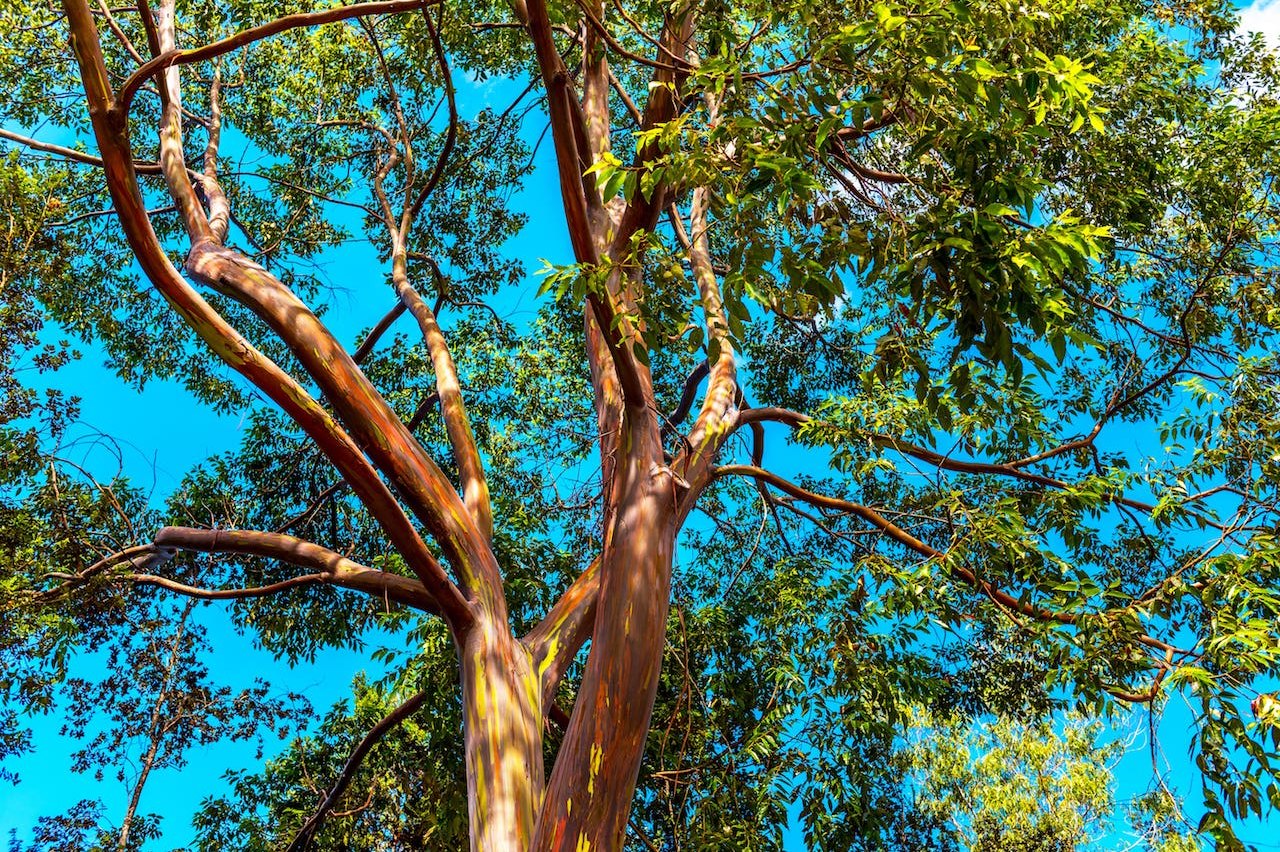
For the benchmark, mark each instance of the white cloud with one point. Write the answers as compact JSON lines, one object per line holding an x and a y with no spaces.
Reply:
{"x":1262,"y":16}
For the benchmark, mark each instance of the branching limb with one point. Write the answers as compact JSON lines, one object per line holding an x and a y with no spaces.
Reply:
{"x":388,"y":441}
{"x":142,"y":557}
{"x":451,"y":133}
{"x":905,"y":538}
{"x":687,"y":395}
{"x":375,"y":334}
{"x":71,"y":153}
{"x":329,"y":567}
{"x":461,"y":439}
{"x":584,"y":213}
{"x":224,"y":340}
{"x":571,"y":158}
{"x":1013,"y":470}
{"x":662,"y":106}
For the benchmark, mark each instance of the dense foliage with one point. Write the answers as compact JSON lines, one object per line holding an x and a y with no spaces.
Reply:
{"x":913,"y":380}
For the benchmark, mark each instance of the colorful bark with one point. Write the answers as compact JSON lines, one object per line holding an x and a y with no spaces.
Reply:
{"x":502,"y":730}
{"x":591,"y":787}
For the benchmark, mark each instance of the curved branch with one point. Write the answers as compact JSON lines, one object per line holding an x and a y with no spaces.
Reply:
{"x":221,"y":594}
{"x":462,"y":441}
{"x":451,"y":135}
{"x":71,"y":153}
{"x":903,"y":537}
{"x":375,"y":334}
{"x":687,"y":395}
{"x":794,"y":419}
{"x":995,"y":469}
{"x":171,"y":58}
{"x":143,"y":557}
{"x":302,"y":841}
{"x":774,"y":415}
{"x":599,"y":27}
{"x":331,"y":567}
{"x":708,"y":432}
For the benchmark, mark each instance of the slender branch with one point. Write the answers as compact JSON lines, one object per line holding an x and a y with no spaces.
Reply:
{"x":957,"y":466}
{"x":707,"y":434}
{"x":303,"y":840}
{"x":119,"y":33}
{"x":390,"y":444}
{"x":1010,"y":469}
{"x":903,"y":537}
{"x":172,"y":58}
{"x":221,"y":594}
{"x":687,"y":395}
{"x":330,"y":565}
{"x":598,"y":26}
{"x":625,"y":97}
{"x":461,"y":439}
{"x":171,"y":155}
{"x":572,"y":162}
{"x":142,"y":557}
{"x":375,"y":334}
{"x":451,"y":134}
{"x":71,"y":153}
{"x":219,"y":207}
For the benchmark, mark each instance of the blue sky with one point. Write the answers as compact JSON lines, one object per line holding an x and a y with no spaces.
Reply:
{"x":163,"y":433}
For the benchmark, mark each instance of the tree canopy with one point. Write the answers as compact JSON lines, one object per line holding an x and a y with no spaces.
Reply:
{"x":913,"y":372}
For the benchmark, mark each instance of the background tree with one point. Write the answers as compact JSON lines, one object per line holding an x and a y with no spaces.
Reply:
{"x":1002,"y":276}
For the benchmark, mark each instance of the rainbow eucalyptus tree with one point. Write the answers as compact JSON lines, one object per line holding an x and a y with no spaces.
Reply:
{"x":907,"y":356}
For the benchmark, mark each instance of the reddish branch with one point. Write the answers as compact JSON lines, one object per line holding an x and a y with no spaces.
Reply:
{"x":225,"y":341}
{"x":71,"y":153}
{"x":329,"y":567}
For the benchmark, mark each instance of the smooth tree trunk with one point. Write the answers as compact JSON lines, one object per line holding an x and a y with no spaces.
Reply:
{"x":502,"y":732}
{"x":588,"y":797}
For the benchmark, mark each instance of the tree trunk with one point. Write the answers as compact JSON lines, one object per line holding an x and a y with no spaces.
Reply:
{"x":502,"y":730}
{"x":593,"y":781}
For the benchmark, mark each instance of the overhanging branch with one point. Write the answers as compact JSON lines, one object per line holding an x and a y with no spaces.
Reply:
{"x":171,"y":58}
